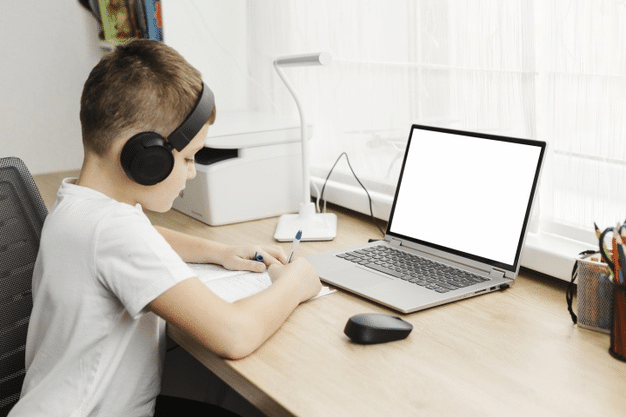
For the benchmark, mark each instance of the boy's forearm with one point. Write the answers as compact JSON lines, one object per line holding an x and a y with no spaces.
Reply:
{"x":230,"y":330}
{"x":264,"y":313}
{"x":192,"y":248}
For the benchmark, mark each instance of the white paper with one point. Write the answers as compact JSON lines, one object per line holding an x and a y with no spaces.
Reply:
{"x":234,"y":285}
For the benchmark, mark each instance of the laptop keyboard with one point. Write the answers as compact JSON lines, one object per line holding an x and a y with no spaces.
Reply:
{"x":414,"y":269}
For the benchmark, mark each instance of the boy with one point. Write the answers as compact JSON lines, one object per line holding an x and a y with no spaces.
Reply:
{"x":104,"y":275}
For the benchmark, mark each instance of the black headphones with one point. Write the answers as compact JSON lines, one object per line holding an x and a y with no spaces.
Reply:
{"x":147,"y":157}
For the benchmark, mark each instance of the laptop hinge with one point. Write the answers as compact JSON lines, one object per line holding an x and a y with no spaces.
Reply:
{"x":496,"y":273}
{"x":395,"y":242}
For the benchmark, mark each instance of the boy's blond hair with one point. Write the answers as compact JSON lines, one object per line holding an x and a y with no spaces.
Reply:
{"x":143,"y":85}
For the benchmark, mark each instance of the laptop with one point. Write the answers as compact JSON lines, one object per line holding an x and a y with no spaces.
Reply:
{"x":457,"y":224}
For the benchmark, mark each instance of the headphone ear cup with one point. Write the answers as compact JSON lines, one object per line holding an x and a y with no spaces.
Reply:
{"x":147,"y":158}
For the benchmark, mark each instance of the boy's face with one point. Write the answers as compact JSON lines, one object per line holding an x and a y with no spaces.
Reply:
{"x":160,"y":197}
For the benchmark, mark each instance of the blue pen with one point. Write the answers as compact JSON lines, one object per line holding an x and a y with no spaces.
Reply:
{"x":295,"y":244}
{"x":622,"y":261}
{"x":257,"y":257}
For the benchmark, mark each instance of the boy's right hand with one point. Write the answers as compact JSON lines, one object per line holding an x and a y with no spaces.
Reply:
{"x":302,"y":276}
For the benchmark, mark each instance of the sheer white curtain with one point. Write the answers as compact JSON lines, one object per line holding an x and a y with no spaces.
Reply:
{"x":582,"y":92}
{"x":553,"y":70}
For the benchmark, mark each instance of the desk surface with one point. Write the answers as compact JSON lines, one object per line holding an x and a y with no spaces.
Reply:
{"x":513,"y":353}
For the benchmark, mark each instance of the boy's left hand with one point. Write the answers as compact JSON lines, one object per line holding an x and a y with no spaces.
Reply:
{"x":240,"y":258}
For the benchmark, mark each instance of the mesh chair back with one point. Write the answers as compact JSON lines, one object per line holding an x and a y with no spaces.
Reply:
{"x":22,"y":212}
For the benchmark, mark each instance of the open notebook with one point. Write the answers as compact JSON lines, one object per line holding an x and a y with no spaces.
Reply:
{"x":234,"y":285}
{"x":457,"y":225}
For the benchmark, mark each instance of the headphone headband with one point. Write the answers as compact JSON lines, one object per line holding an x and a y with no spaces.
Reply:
{"x":201,"y":112}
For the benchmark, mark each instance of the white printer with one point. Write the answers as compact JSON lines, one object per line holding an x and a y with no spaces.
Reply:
{"x":250,"y":168}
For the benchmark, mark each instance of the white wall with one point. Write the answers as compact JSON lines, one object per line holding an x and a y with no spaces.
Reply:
{"x":212,"y":36}
{"x":48,"y":49}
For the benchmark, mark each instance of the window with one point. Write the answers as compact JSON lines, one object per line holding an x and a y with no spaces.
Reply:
{"x":553,"y":70}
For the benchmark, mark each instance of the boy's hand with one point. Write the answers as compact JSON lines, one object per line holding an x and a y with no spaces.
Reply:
{"x":299,"y":273}
{"x":240,"y":258}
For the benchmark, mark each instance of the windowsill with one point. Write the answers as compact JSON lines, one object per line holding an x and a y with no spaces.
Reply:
{"x":551,"y":254}
{"x":546,"y":253}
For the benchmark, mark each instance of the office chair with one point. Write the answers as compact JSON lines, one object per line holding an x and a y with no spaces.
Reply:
{"x":22,"y":212}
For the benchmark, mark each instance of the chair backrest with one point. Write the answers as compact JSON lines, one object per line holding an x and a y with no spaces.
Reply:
{"x":22,"y":212}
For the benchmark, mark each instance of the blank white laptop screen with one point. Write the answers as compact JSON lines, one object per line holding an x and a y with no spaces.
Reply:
{"x":469,"y":194}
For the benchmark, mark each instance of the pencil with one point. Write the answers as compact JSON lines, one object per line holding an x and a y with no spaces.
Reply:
{"x":621,"y":258}
{"x":598,"y":232}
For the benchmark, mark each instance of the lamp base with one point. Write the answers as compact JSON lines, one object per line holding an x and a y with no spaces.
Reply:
{"x":314,"y":226}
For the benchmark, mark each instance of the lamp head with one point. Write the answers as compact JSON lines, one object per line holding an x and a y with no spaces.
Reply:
{"x":301,"y":60}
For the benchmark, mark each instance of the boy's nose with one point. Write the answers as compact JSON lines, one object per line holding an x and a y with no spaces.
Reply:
{"x":191,"y":173}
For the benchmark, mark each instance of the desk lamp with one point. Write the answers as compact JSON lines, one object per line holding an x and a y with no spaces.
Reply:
{"x":314,"y":226}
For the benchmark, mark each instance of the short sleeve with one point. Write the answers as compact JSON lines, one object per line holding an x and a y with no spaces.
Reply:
{"x":134,"y":261}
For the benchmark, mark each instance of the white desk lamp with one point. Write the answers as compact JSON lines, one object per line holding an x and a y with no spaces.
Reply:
{"x":314,"y":226}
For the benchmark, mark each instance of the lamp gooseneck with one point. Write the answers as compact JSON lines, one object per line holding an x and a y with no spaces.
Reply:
{"x":314,"y":226}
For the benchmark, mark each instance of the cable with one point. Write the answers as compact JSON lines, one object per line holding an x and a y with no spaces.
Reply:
{"x":569,"y":295}
{"x":321,"y":195}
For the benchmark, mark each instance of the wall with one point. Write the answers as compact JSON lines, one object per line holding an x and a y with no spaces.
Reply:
{"x":211,"y":35}
{"x":48,"y":49}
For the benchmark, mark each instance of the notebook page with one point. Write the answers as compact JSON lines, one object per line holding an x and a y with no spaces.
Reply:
{"x":234,"y":285}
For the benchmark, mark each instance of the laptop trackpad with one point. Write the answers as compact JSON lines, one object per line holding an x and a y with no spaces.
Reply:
{"x":358,"y":278}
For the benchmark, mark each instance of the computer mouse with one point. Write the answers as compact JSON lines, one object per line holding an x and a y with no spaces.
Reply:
{"x":370,"y":328}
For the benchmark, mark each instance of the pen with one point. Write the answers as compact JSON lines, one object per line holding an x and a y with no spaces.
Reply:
{"x":295,"y":244}
{"x":621,"y":258}
{"x":622,"y":255}
{"x":257,"y":257}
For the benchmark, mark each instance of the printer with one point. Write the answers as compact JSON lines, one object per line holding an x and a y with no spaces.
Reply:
{"x":249,"y":168}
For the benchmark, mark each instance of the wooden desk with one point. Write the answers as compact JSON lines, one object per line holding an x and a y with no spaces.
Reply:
{"x":512,"y":353}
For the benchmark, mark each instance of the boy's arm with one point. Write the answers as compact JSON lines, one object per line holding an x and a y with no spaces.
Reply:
{"x":192,"y":248}
{"x":238,"y":329}
{"x":195,"y":249}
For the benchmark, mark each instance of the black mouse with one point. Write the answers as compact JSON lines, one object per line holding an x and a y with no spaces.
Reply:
{"x":370,"y":328}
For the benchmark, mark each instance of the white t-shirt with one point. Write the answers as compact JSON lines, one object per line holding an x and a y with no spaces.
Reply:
{"x":92,"y":348}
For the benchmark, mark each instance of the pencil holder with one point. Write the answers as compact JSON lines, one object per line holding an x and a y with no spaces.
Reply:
{"x":618,"y":324}
{"x":595,"y":295}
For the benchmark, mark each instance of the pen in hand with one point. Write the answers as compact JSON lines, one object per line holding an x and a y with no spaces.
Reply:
{"x":294,"y":245}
